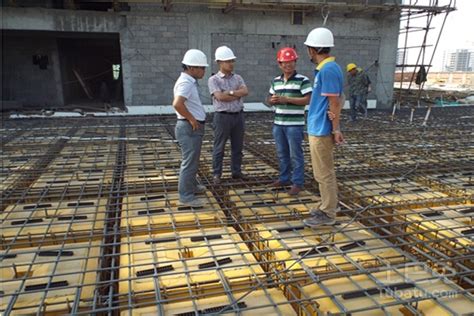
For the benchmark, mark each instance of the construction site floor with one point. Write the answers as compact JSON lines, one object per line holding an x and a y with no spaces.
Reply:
{"x":91,"y":221}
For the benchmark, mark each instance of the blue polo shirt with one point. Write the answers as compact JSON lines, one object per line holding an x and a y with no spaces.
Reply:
{"x":328,"y":81}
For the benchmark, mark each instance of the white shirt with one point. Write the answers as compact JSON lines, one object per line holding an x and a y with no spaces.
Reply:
{"x":186,"y":86}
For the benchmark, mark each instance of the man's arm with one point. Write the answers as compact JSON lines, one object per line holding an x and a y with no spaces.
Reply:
{"x":241,"y":92}
{"x":180,"y":107}
{"x":335,"y":107}
{"x":292,"y":100}
{"x":224,"y":96}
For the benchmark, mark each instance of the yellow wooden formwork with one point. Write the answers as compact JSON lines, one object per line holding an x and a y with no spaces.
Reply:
{"x":346,"y":294}
{"x":17,"y":163}
{"x":70,"y":270}
{"x":291,"y":245}
{"x":158,"y":154}
{"x":8,"y":179}
{"x":26,"y":225}
{"x":77,"y":178}
{"x":161,"y":212}
{"x":391,"y":191}
{"x":447,"y":226}
{"x":183,"y":259}
{"x":256,"y":168}
{"x":73,"y":149}
{"x":268,"y":302}
{"x":88,"y":161}
{"x":267,"y":204}
{"x":462,"y":181}
{"x":151,"y":174}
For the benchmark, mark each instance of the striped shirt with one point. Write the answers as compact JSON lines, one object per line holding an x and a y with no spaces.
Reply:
{"x":296,"y":86}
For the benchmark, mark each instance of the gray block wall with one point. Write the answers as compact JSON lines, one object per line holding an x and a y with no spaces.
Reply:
{"x":152,"y":49}
{"x":256,"y":57}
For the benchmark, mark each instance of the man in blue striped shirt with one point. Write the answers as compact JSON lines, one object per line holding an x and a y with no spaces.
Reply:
{"x":289,"y":93}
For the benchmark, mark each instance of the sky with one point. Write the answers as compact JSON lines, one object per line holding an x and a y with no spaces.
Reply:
{"x":458,"y":32}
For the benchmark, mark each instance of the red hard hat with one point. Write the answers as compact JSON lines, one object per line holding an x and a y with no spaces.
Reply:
{"x":286,"y":54}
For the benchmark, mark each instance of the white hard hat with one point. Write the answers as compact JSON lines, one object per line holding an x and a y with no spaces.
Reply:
{"x":224,"y":53}
{"x":194,"y":57}
{"x":320,"y":37}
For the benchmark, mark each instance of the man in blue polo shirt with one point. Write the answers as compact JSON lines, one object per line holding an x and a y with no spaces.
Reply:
{"x":323,"y":124}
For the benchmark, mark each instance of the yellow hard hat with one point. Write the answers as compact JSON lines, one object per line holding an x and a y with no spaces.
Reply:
{"x":350,"y":67}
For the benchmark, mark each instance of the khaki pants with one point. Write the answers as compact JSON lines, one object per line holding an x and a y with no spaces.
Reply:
{"x":322,"y":160}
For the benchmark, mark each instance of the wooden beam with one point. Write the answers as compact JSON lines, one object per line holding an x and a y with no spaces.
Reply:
{"x":83,"y":84}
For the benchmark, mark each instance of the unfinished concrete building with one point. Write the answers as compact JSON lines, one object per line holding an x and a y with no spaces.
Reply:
{"x":90,"y":219}
{"x":147,"y":39}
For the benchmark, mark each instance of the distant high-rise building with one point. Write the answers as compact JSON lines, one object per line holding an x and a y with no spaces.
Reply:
{"x":459,"y":60}
{"x":402,"y":56}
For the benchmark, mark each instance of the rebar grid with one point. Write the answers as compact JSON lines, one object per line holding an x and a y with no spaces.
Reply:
{"x":122,"y":244}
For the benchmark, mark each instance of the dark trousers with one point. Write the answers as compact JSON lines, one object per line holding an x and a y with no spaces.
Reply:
{"x":228,"y":126}
{"x":357,"y":104}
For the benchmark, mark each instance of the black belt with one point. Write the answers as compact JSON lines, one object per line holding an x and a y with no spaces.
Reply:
{"x":231,"y":113}
{"x":200,"y":122}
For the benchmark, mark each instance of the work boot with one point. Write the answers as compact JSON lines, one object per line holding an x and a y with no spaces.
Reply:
{"x":200,"y":189}
{"x":319,"y":220}
{"x":294,"y":190}
{"x":197,"y":202}
{"x":316,"y":211}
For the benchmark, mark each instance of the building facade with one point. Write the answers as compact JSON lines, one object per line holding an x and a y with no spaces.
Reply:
{"x":458,"y":60}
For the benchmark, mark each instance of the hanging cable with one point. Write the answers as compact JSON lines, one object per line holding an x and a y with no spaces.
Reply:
{"x":325,"y":14}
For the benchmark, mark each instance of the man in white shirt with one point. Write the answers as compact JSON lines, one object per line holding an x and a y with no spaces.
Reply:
{"x":189,"y":129}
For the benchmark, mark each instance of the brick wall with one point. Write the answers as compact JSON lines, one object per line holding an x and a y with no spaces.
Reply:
{"x":256,"y":57}
{"x":152,"y":49}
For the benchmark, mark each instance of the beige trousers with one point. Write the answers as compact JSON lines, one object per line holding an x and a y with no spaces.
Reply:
{"x":322,"y":160}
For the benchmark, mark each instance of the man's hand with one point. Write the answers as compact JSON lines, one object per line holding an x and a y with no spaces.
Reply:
{"x":331,"y":115}
{"x":195,"y":124}
{"x":369,"y":88}
{"x":277,"y":99}
{"x":338,"y":138}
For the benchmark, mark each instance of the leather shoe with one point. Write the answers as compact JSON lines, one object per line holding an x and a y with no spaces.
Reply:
{"x":278,"y":183}
{"x":294,"y":190}
{"x":240,"y":176}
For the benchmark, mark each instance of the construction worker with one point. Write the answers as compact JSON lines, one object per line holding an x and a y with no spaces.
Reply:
{"x":227,"y":90}
{"x":289,"y":92}
{"x":189,"y":129}
{"x":324,"y":129}
{"x":359,"y":88}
